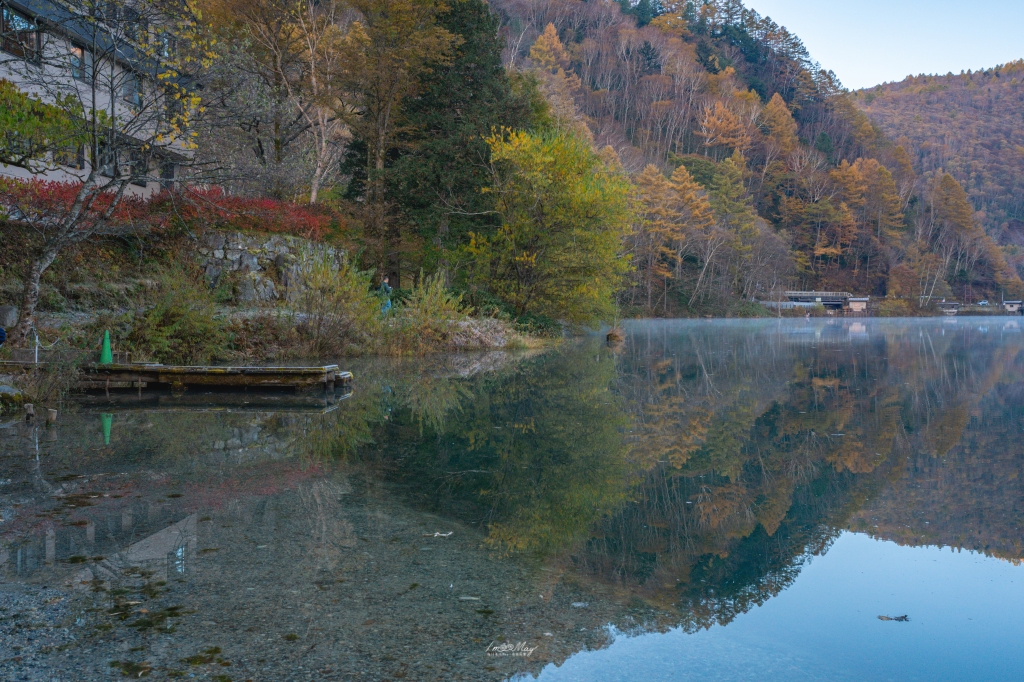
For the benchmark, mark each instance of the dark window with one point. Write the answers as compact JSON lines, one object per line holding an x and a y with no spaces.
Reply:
{"x":166,"y":45}
{"x":109,"y":11}
{"x":20,"y":35}
{"x":125,"y":22}
{"x":72,"y":157}
{"x":16,"y":146}
{"x":131,"y":89}
{"x":106,"y":163}
{"x":134,"y":25}
{"x":172,"y":103}
{"x":139,"y":167}
{"x":81,"y":63}
{"x":168,"y":171}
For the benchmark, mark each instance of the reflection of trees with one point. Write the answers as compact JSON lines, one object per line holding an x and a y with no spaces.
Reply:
{"x":535,"y":452}
{"x":329,"y":531}
{"x":962,"y":486}
{"x":696,"y":469}
{"x":744,"y":451}
{"x":759,"y":448}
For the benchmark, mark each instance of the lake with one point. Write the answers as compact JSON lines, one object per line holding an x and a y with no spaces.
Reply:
{"x":828,"y":499}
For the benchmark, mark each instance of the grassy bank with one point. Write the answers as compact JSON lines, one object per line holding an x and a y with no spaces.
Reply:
{"x":159,"y":306}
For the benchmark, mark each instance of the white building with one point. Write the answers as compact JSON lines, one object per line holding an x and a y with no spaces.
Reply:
{"x":49,"y":52}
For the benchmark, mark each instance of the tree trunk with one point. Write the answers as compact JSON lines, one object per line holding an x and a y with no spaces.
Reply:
{"x":315,"y":188}
{"x":394,"y":257}
{"x":30,"y":296}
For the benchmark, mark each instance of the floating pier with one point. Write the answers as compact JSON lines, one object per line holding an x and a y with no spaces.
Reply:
{"x":180,"y":377}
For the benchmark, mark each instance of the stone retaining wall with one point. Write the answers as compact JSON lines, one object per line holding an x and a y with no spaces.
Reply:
{"x":260,"y":268}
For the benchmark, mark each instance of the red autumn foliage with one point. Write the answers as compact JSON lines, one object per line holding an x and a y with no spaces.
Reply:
{"x":212,"y":208}
{"x":42,"y":202}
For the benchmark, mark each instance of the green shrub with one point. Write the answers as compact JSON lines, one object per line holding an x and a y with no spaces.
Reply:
{"x":338,"y":311}
{"x":264,"y":337}
{"x":176,"y":324}
{"x":895,"y":307}
{"x":427,"y":320}
{"x":52,"y":386}
{"x":538,"y":325}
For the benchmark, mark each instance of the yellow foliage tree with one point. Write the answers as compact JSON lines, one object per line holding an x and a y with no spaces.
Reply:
{"x":657,"y":236}
{"x":722,"y":130}
{"x":558,"y":252}
{"x":548,"y":51}
{"x":778,"y":125}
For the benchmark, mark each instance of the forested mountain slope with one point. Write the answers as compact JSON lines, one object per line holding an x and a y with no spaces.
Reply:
{"x":802,"y":186}
{"x":970,"y":125}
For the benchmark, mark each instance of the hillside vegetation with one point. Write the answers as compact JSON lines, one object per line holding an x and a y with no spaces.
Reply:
{"x":969,"y":125}
{"x":801,"y":187}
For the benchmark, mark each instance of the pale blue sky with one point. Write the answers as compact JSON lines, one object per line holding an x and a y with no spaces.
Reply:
{"x":867,"y":42}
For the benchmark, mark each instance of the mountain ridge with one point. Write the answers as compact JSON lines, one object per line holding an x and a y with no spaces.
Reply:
{"x":970,"y":125}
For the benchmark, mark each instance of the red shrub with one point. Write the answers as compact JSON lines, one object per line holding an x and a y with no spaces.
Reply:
{"x":46,"y":202}
{"x":43,"y":202}
{"x":212,"y":208}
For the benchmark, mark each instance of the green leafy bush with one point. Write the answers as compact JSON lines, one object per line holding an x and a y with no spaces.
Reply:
{"x":177,"y":324}
{"x":338,"y":312}
{"x":895,"y":307}
{"x":428,"y":319}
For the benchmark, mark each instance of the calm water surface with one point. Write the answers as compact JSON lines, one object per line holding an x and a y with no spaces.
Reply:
{"x":709,"y":500}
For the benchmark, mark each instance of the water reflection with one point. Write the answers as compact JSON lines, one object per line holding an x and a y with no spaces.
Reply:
{"x":550,"y":499}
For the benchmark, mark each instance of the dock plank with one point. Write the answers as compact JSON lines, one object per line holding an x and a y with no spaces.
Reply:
{"x":189,"y":375}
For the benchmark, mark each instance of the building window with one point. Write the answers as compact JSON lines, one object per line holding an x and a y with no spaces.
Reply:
{"x":20,"y":35}
{"x":166,"y":45}
{"x":172,"y":104}
{"x":139,"y":167}
{"x":106,"y":161}
{"x":168,"y":171}
{"x":131,"y":90}
{"x":72,"y":157}
{"x":81,"y":63}
{"x":134,"y":25}
{"x":18,"y":147}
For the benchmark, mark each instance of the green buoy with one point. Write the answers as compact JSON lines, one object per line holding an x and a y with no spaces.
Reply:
{"x":106,"y":421}
{"x":106,"y":357}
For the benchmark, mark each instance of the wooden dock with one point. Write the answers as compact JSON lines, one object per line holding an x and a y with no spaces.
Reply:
{"x":180,"y":377}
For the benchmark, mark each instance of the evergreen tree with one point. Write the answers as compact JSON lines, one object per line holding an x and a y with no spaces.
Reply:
{"x":729,"y":198}
{"x":437,"y":181}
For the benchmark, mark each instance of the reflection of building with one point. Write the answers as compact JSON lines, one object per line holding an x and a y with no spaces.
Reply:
{"x":165,"y":551}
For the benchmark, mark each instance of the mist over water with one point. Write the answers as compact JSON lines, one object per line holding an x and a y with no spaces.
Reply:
{"x":708,"y":500}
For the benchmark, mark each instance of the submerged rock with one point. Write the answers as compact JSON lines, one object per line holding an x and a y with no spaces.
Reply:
{"x":10,"y":398}
{"x":8,"y":316}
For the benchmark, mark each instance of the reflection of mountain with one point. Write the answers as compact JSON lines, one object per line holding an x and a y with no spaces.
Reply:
{"x":971,"y":498}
